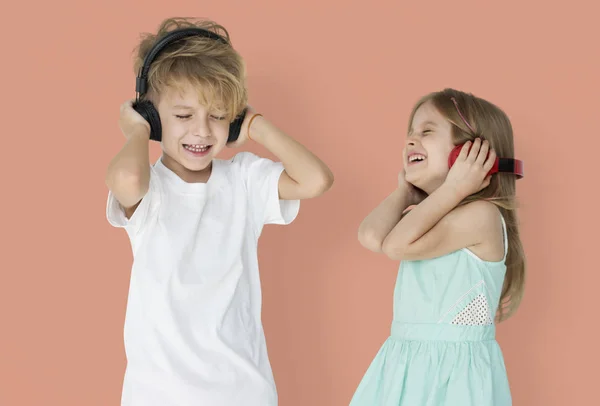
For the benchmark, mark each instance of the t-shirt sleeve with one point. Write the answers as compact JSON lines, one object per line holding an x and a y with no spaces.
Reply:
{"x":262,"y":183}
{"x":115,"y":213}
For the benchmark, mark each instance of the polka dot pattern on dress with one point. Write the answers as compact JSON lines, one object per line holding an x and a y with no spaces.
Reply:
{"x":477,"y":313}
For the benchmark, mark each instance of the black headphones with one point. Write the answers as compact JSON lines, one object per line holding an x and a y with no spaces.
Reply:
{"x":145,"y":107}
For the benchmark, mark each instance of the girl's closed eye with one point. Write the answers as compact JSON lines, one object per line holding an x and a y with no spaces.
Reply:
{"x":218,"y":117}
{"x":183,"y":117}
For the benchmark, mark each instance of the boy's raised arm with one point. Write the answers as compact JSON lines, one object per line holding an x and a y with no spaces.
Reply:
{"x":305,"y":175}
{"x":128,"y":174}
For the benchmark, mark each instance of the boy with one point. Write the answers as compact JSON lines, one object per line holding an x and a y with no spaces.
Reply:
{"x":193,"y":332}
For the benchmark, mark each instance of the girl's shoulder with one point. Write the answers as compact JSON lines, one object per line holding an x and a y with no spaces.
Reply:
{"x":492,"y":225}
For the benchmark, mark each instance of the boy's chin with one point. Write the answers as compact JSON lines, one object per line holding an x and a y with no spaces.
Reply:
{"x":196,"y":165}
{"x":197,"y":160}
{"x":189,"y":163}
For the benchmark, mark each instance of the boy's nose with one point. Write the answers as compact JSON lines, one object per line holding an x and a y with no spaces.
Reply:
{"x":201,"y":129}
{"x":202,"y":134}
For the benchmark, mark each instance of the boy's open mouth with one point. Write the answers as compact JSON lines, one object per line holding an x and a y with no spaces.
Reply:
{"x":197,"y":149}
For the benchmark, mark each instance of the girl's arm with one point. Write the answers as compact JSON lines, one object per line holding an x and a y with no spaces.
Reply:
{"x":436,"y":226}
{"x":377,"y":225}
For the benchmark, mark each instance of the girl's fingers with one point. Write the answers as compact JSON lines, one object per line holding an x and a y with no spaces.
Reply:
{"x":475,"y":150}
{"x":464,"y":151}
{"x":491,"y":160}
{"x":483,"y":152}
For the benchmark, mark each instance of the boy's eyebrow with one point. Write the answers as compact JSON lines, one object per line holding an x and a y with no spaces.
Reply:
{"x":183,"y":106}
{"x":429,"y":122}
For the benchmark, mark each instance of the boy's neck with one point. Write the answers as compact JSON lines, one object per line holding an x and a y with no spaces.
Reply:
{"x":187,"y":175}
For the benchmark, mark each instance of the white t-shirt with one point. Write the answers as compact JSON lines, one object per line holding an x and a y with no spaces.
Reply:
{"x":193,"y":332}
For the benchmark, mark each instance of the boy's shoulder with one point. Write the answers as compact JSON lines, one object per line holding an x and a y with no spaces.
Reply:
{"x":245,"y":161}
{"x":245,"y":158}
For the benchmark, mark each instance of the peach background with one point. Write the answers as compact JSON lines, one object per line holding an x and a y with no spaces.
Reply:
{"x":341,"y":77}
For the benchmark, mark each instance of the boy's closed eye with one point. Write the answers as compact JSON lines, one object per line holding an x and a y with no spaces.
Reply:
{"x":186,"y":116}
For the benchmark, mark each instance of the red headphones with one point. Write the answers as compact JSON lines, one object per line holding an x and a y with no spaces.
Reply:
{"x":505,"y":165}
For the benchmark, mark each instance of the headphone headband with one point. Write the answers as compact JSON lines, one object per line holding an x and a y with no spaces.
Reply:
{"x":141,"y":82}
{"x":509,"y":165}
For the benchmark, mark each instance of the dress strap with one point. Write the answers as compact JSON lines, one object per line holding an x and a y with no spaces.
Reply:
{"x":505,"y":236}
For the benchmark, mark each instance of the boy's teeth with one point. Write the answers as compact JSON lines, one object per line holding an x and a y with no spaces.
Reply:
{"x":196,"y":148}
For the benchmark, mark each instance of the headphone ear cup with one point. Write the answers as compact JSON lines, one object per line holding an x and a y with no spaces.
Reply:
{"x":236,"y":127}
{"x":147,"y":110}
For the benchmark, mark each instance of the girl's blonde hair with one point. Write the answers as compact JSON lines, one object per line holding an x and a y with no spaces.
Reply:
{"x":215,"y":69}
{"x":489,"y":122}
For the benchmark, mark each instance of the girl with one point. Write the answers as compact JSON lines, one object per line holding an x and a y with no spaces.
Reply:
{"x":462,"y":260}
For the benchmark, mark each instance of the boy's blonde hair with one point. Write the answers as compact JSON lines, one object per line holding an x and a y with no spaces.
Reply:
{"x":490,"y":123}
{"x":215,"y":69}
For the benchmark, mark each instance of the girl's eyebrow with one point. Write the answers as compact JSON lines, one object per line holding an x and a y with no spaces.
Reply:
{"x":431,"y":123}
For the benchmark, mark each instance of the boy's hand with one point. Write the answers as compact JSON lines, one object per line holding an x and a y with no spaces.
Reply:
{"x":243,"y":137}
{"x":131,"y":122}
{"x":469,"y":174}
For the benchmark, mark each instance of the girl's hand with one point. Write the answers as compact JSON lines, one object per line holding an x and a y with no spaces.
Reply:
{"x":414,"y":194}
{"x":469,"y":174}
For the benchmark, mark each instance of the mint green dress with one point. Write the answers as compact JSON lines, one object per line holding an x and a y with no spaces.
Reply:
{"x":442,"y":348}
